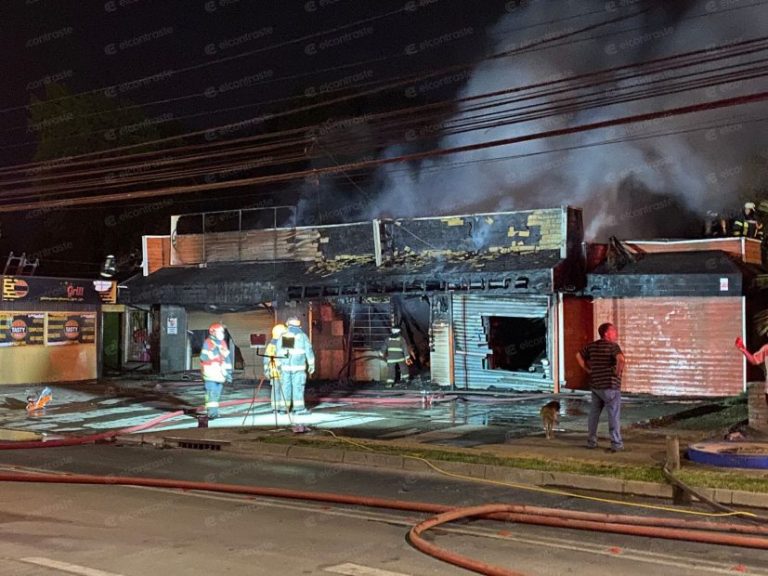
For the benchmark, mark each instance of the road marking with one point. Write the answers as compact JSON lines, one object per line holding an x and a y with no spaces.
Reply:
{"x":64,"y":566}
{"x":358,"y":570}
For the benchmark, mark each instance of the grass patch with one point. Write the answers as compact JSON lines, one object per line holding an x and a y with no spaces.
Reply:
{"x":695,"y":478}
{"x":724,"y":480}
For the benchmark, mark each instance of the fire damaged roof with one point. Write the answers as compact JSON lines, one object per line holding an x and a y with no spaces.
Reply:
{"x":512,"y":252}
{"x":242,"y":283}
{"x":705,"y":273}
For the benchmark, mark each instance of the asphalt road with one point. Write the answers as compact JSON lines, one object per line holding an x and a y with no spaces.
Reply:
{"x":129,"y":531}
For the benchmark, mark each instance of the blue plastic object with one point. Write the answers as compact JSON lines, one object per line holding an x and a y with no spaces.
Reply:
{"x":730,"y":454}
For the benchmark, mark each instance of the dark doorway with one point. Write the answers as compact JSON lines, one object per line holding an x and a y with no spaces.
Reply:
{"x":517,"y":344}
{"x":111,"y":341}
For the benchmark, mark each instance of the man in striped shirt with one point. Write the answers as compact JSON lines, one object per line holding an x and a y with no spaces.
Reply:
{"x":603,"y":360}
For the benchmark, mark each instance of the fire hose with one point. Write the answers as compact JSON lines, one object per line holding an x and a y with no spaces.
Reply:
{"x":674,"y":529}
{"x":728,"y":534}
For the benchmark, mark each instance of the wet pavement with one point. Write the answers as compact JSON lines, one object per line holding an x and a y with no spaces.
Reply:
{"x":504,"y":427}
{"x":436,"y":417}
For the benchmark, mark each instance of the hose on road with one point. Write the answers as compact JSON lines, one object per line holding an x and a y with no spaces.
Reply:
{"x":711,"y":533}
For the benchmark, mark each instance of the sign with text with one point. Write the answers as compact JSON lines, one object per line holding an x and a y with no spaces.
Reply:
{"x":68,"y":328}
{"x":34,"y":289}
{"x":22,"y":329}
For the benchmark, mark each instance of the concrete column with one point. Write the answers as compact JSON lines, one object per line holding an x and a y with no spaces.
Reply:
{"x":757,"y":406}
{"x":173,"y":338}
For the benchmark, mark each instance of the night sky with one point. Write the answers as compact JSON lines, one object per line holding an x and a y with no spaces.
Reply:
{"x":156,"y":108}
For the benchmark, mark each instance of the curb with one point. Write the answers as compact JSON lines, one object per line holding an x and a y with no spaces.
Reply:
{"x":544,"y":479}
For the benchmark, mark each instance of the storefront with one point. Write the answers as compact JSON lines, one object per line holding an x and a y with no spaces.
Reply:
{"x":678,"y":306}
{"x":50,"y":328}
{"x":477,"y":296}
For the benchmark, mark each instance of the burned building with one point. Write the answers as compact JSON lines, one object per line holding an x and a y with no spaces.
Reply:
{"x":497,"y":301}
{"x":479,"y":296}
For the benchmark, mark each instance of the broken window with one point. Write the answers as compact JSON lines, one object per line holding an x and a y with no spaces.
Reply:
{"x":517,"y":344}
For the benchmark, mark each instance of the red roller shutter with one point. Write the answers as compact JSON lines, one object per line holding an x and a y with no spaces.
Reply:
{"x":677,"y":346}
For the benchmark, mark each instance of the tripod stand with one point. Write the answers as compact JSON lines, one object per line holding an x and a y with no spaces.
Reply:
{"x":253,"y":401}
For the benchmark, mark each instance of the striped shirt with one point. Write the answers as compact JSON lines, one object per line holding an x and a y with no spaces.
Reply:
{"x":600,"y":356}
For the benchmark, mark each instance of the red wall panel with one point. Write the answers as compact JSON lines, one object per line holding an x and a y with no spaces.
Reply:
{"x":677,"y":346}
{"x":578,"y":328}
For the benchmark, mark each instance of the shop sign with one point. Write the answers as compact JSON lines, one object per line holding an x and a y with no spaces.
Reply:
{"x":69,"y":328}
{"x":23,"y":329}
{"x":38,"y":289}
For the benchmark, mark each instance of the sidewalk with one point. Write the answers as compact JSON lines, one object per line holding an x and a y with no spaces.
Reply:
{"x":487,"y":429}
{"x":495,"y":429}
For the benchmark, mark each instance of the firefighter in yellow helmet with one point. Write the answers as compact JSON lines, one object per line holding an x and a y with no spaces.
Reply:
{"x":299,"y":361}
{"x":747,"y":224}
{"x":398,"y":355}
{"x":273,"y":358}
{"x":216,"y":367}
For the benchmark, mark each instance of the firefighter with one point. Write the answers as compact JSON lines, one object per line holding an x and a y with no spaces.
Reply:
{"x":396,"y":353}
{"x":716,"y":226}
{"x":747,"y":224}
{"x":216,"y":367}
{"x":299,"y":361}
{"x":273,"y":358}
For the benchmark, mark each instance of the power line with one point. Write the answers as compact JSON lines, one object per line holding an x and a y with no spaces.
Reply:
{"x":346,"y":98}
{"x":171,"y":191}
{"x":466,"y":122}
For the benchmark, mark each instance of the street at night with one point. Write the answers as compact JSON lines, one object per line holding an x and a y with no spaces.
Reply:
{"x":386,"y":288}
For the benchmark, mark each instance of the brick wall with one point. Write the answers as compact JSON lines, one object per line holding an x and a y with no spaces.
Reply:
{"x":757,"y":405}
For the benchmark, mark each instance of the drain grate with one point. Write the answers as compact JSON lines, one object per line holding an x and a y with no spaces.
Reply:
{"x":196,"y":443}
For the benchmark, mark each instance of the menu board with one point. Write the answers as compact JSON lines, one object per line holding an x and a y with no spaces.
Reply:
{"x":70,"y":328}
{"x":23,"y":329}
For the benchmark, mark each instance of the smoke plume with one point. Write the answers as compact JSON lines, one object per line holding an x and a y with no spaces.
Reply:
{"x":637,"y":180}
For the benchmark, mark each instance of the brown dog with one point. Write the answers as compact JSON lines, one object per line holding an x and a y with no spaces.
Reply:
{"x":550,"y":413}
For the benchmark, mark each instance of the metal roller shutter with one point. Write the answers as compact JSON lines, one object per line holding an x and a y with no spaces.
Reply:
{"x":471,"y":341}
{"x":440,"y":356}
{"x":677,"y":346}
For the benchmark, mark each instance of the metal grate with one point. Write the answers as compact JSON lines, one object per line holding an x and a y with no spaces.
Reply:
{"x":200,"y":444}
{"x":371,"y":325}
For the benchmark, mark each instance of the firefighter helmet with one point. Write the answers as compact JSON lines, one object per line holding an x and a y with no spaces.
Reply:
{"x":215,"y":327}
{"x":749,"y":206}
{"x":278,"y":330}
{"x":293,"y":321}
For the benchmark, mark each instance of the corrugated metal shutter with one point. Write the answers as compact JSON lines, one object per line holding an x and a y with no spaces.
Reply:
{"x":471,"y":341}
{"x":240,"y":325}
{"x":440,"y":356}
{"x":677,"y":347}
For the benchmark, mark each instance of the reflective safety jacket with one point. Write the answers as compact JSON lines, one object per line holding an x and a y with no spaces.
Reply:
{"x":299,"y":355}
{"x":216,"y":360}
{"x":748,"y":227}
{"x":395,"y":349}
{"x":273,"y":359}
